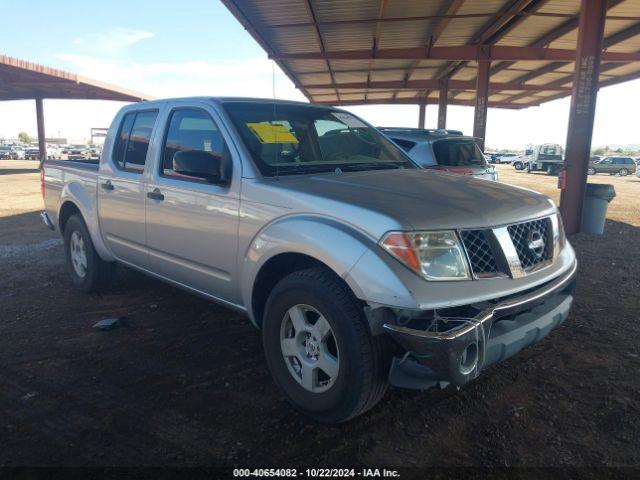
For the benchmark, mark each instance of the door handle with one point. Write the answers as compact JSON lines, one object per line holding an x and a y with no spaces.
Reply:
{"x":107,"y":185}
{"x":155,"y":195}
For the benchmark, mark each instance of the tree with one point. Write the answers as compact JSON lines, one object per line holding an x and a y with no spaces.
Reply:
{"x":25,"y":137}
{"x":599,"y":151}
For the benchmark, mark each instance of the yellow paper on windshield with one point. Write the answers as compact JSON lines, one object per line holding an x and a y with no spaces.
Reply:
{"x":272,"y":133}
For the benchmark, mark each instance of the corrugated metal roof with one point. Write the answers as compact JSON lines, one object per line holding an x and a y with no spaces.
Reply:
{"x":322,"y":27}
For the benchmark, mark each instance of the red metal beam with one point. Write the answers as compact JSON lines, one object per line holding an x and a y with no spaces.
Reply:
{"x":553,"y":35}
{"x":496,"y":29}
{"x":435,"y":84}
{"x":449,"y":9}
{"x":463,"y":52}
{"x":422,"y":113}
{"x":443,"y":97}
{"x":582,"y":113}
{"x":312,"y":14}
{"x":42,"y":144}
{"x":610,"y":41}
{"x":482,"y":102}
{"x":416,"y":101}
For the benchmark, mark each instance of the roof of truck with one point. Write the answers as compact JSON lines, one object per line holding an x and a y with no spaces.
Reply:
{"x":233,"y":100}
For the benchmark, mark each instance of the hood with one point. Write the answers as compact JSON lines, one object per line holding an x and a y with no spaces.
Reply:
{"x":422,"y":199}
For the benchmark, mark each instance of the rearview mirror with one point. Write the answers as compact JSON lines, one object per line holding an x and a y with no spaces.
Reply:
{"x":199,"y":164}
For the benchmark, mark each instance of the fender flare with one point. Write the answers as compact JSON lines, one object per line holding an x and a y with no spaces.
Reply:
{"x":350,"y":253}
{"x":76,"y":194}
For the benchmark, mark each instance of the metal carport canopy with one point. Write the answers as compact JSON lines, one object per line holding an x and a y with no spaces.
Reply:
{"x":22,"y":80}
{"x":482,"y":53}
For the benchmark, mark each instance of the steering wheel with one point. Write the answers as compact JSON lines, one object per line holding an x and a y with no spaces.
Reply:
{"x":364,"y":139}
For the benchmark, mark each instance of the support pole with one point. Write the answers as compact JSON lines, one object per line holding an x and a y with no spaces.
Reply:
{"x":443,"y":99}
{"x":482,"y":102}
{"x":422,"y":108}
{"x":582,"y":112}
{"x":42,"y":144}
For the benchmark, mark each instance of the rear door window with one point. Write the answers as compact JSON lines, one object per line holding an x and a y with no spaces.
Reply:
{"x":132,"y":143}
{"x":458,"y":153}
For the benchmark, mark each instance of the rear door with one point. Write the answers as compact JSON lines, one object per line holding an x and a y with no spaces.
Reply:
{"x":121,"y":188}
{"x":192,"y":225}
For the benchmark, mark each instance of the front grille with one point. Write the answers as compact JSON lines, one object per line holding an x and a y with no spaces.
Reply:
{"x":533,"y":242}
{"x":480,"y":253}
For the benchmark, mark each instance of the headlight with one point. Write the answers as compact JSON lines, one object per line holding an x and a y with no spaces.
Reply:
{"x":559,"y":238}
{"x":432,"y":255}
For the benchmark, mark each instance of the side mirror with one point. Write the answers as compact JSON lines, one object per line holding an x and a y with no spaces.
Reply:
{"x":199,"y":164}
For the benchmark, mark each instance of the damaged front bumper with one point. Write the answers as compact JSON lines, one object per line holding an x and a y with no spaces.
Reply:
{"x":454,"y":349}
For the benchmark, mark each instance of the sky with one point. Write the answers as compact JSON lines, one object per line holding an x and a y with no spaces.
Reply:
{"x":196,"y":47}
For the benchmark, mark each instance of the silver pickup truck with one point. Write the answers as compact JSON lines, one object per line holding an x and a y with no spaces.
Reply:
{"x":359,"y":268}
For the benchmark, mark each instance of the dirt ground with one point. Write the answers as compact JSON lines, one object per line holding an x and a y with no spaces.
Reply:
{"x":185,"y":383}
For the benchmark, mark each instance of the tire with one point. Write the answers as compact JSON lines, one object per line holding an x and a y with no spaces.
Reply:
{"x":518,"y":166}
{"x":591,"y":171}
{"x":623,"y":172}
{"x":362,"y":360}
{"x":97,"y":273}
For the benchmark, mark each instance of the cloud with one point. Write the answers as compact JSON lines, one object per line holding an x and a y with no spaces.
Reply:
{"x":237,"y":77}
{"x":112,"y":42}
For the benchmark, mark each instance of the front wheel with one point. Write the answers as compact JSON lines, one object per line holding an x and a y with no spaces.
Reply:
{"x":319,"y":349}
{"x":87,"y":270}
{"x":591,"y":171}
{"x":518,"y":166}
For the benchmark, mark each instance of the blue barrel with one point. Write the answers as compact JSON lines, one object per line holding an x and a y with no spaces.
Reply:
{"x":596,"y":201}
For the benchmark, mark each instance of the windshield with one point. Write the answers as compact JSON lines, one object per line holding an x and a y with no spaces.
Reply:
{"x":458,"y":152}
{"x":297,"y":139}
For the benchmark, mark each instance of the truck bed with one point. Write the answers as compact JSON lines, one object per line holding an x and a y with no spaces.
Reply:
{"x":64,"y":176}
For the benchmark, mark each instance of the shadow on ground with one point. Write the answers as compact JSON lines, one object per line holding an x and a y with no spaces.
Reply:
{"x":17,"y":171}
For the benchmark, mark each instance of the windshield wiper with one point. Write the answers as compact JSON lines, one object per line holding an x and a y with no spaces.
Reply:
{"x":354,"y":167}
{"x":300,"y":169}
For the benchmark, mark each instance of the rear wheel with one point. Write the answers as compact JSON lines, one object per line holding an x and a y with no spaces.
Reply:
{"x":87,"y":270}
{"x":623,"y":172}
{"x":319,"y":349}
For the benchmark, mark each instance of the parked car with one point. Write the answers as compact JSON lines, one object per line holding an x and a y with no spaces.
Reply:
{"x":491,"y":156}
{"x":7,"y":153}
{"x":443,"y":151}
{"x":20,"y":152}
{"x":505,"y":157}
{"x":32,"y":154}
{"x":359,"y":268}
{"x":612,"y":165}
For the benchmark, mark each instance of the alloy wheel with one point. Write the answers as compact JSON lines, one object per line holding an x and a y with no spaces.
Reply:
{"x":309,"y":348}
{"x":78,"y":254}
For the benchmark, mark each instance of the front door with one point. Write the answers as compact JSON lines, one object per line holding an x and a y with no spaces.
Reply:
{"x":192,"y":225}
{"x":121,"y":188}
{"x":606,"y":165}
